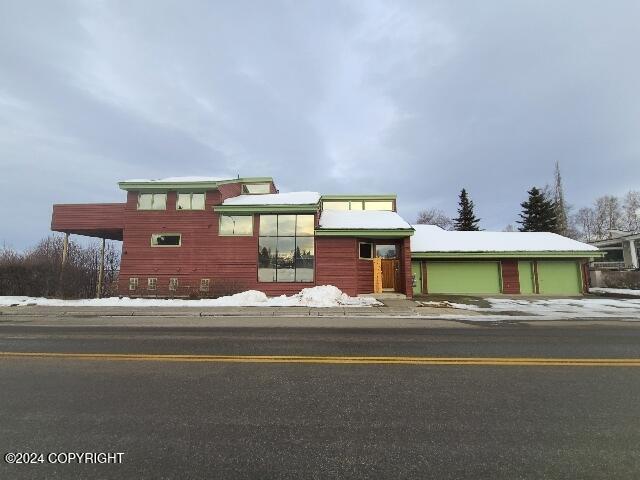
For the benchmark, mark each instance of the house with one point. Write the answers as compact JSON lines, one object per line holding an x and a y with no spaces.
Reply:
{"x":622,"y":250}
{"x":202,"y":236}
{"x":199,"y":236}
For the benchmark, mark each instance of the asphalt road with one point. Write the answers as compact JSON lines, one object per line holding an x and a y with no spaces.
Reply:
{"x":258,"y":419}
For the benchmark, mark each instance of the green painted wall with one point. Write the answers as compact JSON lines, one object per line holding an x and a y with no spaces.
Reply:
{"x":525,"y":273}
{"x":463,"y":277}
{"x":417,"y":274}
{"x":559,"y":277}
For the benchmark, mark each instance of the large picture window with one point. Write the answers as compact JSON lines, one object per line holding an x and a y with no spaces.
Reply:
{"x":286,"y":248}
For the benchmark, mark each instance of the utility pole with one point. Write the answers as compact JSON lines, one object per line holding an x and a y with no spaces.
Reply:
{"x":100,"y":271}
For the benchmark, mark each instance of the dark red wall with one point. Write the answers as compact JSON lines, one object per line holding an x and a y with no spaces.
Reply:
{"x":337,"y":263}
{"x":510,"y":277}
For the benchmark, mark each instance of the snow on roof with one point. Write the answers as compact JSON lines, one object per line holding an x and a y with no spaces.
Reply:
{"x":291,"y":198}
{"x":364,"y":219}
{"x":178,"y":179}
{"x":431,"y":238}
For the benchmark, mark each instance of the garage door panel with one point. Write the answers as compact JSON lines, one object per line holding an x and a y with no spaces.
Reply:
{"x":463,"y":277}
{"x":559,"y":278}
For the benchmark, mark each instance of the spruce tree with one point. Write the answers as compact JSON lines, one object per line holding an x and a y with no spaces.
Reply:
{"x":538,"y":213}
{"x":560,"y":206}
{"x":466,"y":220}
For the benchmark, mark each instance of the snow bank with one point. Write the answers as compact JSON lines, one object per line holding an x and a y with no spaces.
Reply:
{"x":431,"y":238}
{"x":558,"y":308}
{"x":368,"y":219}
{"x":321,"y":296}
{"x":621,"y":291}
{"x":291,"y":198}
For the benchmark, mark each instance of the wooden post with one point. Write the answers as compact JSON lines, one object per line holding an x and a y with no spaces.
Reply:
{"x":100,"y":271}
{"x":65,"y":257}
{"x":377,"y":275}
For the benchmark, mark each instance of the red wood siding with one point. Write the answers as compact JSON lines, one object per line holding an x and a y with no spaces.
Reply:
{"x":337,"y":263}
{"x":105,"y":220}
{"x":231,"y":263}
{"x":365,"y":276}
{"x":405,"y":267}
{"x":510,"y":276}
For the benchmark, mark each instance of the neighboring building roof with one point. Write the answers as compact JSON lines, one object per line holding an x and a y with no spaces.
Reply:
{"x":363,"y":223}
{"x":433,"y":239}
{"x":617,"y":240}
{"x":185,"y":182}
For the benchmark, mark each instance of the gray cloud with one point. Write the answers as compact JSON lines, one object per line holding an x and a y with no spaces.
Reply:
{"x":418,"y":98}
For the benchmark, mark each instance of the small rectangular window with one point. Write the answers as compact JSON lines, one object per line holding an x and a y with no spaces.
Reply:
{"x":256,"y":188}
{"x":152,"y":283}
{"x":366,"y":250}
{"x":378,"y":205}
{"x":152,"y":201}
{"x":133,"y":283}
{"x":166,"y":240}
{"x":173,"y":284}
{"x":190,"y":201}
{"x":236,"y":225}
{"x":204,"y":285}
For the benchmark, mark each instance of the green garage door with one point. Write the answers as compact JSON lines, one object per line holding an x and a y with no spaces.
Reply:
{"x":463,"y":277}
{"x":559,"y":277}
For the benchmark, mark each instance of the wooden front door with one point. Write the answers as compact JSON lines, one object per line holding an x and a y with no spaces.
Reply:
{"x":389,"y":269}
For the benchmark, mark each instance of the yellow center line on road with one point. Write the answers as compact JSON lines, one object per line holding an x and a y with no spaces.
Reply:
{"x":497,"y":361}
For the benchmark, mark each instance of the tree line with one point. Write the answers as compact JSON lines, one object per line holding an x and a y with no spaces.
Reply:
{"x":546,"y":210}
{"x":38,"y":271}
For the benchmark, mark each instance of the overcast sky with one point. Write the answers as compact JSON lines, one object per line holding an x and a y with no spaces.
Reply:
{"x":418,"y":98}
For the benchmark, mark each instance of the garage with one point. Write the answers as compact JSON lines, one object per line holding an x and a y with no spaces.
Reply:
{"x":463,"y":277}
{"x":557,"y":277}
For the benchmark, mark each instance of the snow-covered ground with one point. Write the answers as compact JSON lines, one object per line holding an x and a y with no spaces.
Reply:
{"x":557,"y":308}
{"x":321,"y":296}
{"x":621,"y":291}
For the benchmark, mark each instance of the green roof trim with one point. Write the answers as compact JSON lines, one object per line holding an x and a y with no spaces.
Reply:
{"x":512,"y":254}
{"x":365,"y":232}
{"x":389,"y":196}
{"x":302,"y":208}
{"x":164,"y":186}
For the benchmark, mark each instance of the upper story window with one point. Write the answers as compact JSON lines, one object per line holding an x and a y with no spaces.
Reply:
{"x":378,"y":205}
{"x":190,"y":201}
{"x":236,"y":225}
{"x":357,"y":205}
{"x":152,"y":201}
{"x":336,"y":205}
{"x":256,"y":188}
{"x":166,"y":240}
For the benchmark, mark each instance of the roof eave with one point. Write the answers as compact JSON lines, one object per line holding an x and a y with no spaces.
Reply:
{"x":275,"y":208}
{"x":202,"y":185}
{"x":365,"y":232}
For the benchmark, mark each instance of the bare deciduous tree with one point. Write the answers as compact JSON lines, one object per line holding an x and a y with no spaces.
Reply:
{"x":631,"y":211}
{"x":433,"y":216}
{"x":37,"y":272}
